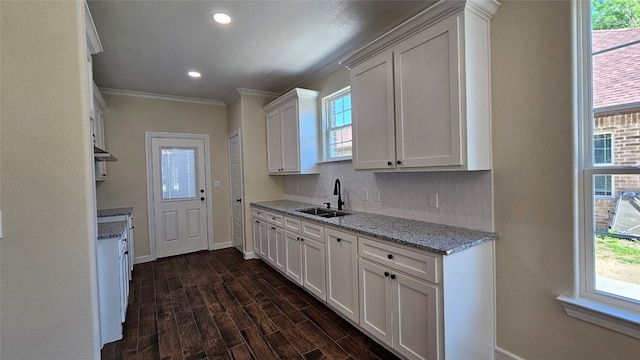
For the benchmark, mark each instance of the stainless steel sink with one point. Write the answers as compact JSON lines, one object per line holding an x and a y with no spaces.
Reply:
{"x":324,"y":212}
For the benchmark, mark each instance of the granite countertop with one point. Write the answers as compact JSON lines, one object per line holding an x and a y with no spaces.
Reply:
{"x":436,"y":238}
{"x":115,"y":212}
{"x":110,"y":230}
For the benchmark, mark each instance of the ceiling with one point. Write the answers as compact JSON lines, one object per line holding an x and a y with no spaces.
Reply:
{"x":272,"y":46}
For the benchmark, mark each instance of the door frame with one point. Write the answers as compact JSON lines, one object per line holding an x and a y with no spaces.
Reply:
{"x":238,"y":132}
{"x":148,"y":136}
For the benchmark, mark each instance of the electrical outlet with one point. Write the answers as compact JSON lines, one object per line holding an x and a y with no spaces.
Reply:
{"x":433,"y":200}
{"x":365,"y":194}
{"x":376,"y":195}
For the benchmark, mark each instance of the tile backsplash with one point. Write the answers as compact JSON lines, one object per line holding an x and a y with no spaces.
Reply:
{"x":464,"y":199}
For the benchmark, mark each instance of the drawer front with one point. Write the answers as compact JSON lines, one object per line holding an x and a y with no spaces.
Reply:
{"x":292,"y":224}
{"x":259,"y":214}
{"x":412,"y":262}
{"x":275,"y":219}
{"x":312,"y":231}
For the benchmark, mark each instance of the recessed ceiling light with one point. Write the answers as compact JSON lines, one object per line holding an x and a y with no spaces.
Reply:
{"x":222,"y":18}
{"x":194,"y":74}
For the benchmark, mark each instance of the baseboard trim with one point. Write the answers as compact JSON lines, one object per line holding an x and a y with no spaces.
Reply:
{"x":223,"y":245}
{"x":249,"y":256}
{"x":142,"y":259}
{"x":502,"y":354}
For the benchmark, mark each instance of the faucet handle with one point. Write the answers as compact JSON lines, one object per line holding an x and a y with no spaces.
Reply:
{"x":328,"y":205}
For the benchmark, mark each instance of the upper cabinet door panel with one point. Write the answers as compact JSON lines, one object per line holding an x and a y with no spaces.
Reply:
{"x":372,"y":104}
{"x":427,"y":89}
{"x":290,"y":137}
{"x":274,"y":133}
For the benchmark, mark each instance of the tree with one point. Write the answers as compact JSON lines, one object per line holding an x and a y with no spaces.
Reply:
{"x":615,"y":14}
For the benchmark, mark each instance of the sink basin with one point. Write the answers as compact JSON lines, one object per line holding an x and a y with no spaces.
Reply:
{"x":324,"y":212}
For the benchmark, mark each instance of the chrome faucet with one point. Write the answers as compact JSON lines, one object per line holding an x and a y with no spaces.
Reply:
{"x":337,"y":191}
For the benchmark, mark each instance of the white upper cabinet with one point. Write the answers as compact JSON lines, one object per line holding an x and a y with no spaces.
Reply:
{"x":293,"y":133}
{"x":421,"y":92}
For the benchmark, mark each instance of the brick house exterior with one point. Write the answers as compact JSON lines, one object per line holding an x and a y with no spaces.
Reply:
{"x":616,"y":103}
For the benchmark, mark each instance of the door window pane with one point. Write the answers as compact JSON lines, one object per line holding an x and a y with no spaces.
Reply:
{"x":178,"y":173}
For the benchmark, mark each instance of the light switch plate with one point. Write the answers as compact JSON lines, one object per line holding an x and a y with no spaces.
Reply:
{"x":376,"y":195}
{"x":365,"y":194}
{"x":217,"y":184}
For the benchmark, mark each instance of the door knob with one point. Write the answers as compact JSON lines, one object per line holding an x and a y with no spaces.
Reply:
{"x":202,"y":198}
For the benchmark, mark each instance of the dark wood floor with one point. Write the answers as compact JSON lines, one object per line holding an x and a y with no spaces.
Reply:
{"x":215,"y":305}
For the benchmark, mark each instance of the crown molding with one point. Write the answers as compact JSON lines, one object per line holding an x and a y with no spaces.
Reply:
{"x":161,"y":96}
{"x":235,"y":94}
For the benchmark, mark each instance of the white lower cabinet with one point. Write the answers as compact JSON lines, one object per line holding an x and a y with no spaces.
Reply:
{"x":342,"y":272}
{"x":421,"y":305}
{"x":113,"y":286}
{"x":293,"y":248}
{"x":399,"y":310}
{"x":259,"y":237}
{"x":313,"y":263}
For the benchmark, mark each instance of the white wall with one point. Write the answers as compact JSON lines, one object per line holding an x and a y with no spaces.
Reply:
{"x":48,"y":285}
{"x":533,"y":186}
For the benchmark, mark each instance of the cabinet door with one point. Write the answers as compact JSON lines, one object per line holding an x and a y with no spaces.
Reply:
{"x":274,"y":142}
{"x":280,"y":259}
{"x":342,"y":273}
{"x":272,"y":249}
{"x":260,"y":238}
{"x":290,"y":137}
{"x":376,"y":301}
{"x":314,"y":268}
{"x":293,"y":262}
{"x":427,"y":94}
{"x":372,"y":106}
{"x":415,"y":305}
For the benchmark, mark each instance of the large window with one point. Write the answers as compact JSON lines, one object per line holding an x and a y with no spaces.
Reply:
{"x":337,"y":125}
{"x":608,"y":175}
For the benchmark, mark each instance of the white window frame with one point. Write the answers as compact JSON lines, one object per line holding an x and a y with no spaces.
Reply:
{"x":326,"y":125}
{"x":607,"y":310}
{"x":611,"y":178}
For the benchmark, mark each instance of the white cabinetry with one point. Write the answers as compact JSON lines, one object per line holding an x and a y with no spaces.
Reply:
{"x":293,"y":133}
{"x":259,"y":232}
{"x":398,"y":308}
{"x":313,"y":259}
{"x":342,"y":272}
{"x":421,"y":93}
{"x":113,"y":285}
{"x":98,"y":132}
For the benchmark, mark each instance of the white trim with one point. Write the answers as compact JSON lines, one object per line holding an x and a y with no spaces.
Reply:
{"x":249,"y":256}
{"x":224,"y":245}
{"x":93,"y":41}
{"x":142,"y":259}
{"x":596,"y":312}
{"x":161,"y":97}
{"x":502,"y":354}
{"x":148,"y":136}
{"x":98,"y":97}
{"x":242,"y":91}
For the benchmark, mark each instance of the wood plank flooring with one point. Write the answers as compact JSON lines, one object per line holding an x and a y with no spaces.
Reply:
{"x":215,"y":305}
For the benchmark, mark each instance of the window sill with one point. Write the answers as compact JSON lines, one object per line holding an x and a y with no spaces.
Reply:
{"x":343,"y":159}
{"x":601,"y":314}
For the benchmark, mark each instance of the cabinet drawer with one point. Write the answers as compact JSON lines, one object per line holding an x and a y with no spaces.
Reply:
{"x":292,"y":224}
{"x":412,"y":262}
{"x":275,"y":219}
{"x":259,"y":214}
{"x":312,"y":231}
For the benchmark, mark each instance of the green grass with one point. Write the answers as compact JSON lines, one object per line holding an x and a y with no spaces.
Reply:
{"x":622,"y":250}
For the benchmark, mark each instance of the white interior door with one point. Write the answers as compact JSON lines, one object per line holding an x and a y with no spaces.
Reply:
{"x":235,"y":174}
{"x":178,"y":168}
